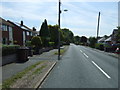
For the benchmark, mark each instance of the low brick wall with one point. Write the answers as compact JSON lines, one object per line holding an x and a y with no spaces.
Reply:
{"x":9,"y":59}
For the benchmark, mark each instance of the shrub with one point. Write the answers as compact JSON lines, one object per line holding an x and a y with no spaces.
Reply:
{"x":51,"y":44}
{"x":99,"y":46}
{"x":28,"y":44}
{"x":36,"y":41}
{"x":9,"y":49}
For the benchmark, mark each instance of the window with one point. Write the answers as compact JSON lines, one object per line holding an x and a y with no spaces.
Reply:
{"x":27,"y":33}
{"x":10,"y":34}
{"x":4,"y":40}
{"x":4,"y":27}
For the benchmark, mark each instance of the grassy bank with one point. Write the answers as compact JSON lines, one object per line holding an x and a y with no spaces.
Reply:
{"x":7,"y":83}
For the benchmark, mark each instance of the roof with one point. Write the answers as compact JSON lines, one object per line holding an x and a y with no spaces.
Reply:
{"x":23,"y":27}
{"x":102,"y":39}
{"x":3,"y":21}
{"x":108,"y":39}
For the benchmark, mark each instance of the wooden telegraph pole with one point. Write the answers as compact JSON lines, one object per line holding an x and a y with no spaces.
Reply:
{"x":98,"y":25}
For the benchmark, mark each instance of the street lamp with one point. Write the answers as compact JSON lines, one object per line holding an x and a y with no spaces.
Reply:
{"x":59,"y":12}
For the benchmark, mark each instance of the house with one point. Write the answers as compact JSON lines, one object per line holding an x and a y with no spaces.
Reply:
{"x":7,"y":31}
{"x":16,"y":33}
{"x":108,"y":40}
{"x":114,"y":34}
{"x":22,"y":33}
{"x":101,"y":40}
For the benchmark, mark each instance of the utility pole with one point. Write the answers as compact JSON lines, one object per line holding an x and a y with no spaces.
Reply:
{"x":59,"y":12}
{"x":98,"y":25}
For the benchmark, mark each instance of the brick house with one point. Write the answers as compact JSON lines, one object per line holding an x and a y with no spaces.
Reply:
{"x":16,"y":33}
{"x":7,"y":31}
{"x":22,"y":33}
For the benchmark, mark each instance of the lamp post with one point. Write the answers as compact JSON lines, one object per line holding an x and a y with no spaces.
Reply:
{"x":59,"y":12}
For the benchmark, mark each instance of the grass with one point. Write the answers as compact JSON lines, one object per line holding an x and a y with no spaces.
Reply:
{"x":39,"y":69}
{"x":62,"y":51}
{"x":7,"y":83}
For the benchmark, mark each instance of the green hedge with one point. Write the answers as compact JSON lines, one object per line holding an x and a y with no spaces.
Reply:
{"x":51,"y":44}
{"x":9,"y":49}
{"x":99,"y":46}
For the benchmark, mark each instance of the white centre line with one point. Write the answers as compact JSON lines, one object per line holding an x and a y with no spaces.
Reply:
{"x":85,"y":55}
{"x":81,"y":51}
{"x":101,"y":70}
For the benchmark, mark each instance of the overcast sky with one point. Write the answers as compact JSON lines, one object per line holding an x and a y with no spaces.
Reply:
{"x":81,"y":17}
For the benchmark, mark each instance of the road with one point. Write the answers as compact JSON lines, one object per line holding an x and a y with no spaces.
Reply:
{"x":83,"y":67}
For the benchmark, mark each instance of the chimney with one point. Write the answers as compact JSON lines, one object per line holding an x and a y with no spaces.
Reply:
{"x":21,"y":23}
{"x":34,"y":29}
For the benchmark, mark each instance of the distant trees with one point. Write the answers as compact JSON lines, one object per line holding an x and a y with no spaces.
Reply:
{"x":92,"y":41}
{"x":83,"y":40}
{"x":67,"y":36}
{"x":77,"y":40}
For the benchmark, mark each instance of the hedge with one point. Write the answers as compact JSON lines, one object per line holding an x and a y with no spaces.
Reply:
{"x":9,"y":49}
{"x":99,"y":46}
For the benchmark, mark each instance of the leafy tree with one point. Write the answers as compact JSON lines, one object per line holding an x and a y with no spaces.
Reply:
{"x":37,"y":43}
{"x":92,"y":41}
{"x":83,"y":39}
{"x":68,"y":35}
{"x":77,"y":40}
{"x":44,"y":33}
{"x":53,"y":34}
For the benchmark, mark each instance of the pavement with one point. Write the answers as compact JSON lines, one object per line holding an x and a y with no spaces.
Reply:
{"x":13,"y":68}
{"x":83,"y":67}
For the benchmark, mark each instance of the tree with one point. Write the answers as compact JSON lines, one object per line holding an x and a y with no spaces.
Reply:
{"x":92,"y":41}
{"x":37,"y":43}
{"x":68,"y":35}
{"x":83,"y":39}
{"x":53,"y":34}
{"x":44,"y":33}
{"x":77,"y":40}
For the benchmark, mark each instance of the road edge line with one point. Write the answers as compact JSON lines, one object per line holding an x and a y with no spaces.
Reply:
{"x":44,"y":77}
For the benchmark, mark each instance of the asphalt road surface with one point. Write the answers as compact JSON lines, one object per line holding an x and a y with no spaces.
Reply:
{"x":83,"y":67}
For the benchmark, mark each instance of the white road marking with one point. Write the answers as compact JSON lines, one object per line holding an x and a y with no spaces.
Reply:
{"x":101,"y":70}
{"x":81,"y":51}
{"x":85,"y":55}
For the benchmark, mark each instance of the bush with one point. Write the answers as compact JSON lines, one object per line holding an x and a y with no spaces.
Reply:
{"x":36,"y":41}
{"x":28,"y":44}
{"x":99,"y":46}
{"x":9,"y":49}
{"x":51,"y":44}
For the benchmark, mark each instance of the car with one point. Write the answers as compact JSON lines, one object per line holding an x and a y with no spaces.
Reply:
{"x":117,"y":50}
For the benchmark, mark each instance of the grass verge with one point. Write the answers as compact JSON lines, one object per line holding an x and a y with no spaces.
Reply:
{"x":62,"y":51}
{"x":7,"y":83}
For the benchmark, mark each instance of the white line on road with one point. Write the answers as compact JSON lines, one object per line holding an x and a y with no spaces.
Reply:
{"x":81,"y":51}
{"x":101,"y":70}
{"x":85,"y":55}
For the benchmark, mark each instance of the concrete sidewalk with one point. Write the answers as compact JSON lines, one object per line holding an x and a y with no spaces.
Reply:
{"x":13,"y":68}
